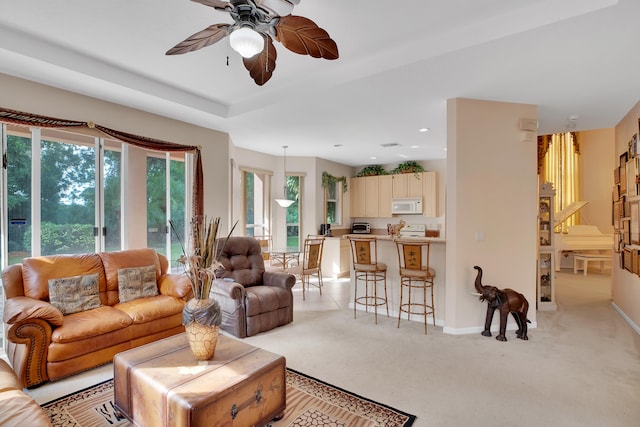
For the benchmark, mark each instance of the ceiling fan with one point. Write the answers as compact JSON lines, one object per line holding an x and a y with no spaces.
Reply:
{"x":256,"y":24}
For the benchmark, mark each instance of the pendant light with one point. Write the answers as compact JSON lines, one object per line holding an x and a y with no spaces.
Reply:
{"x":284,"y":202}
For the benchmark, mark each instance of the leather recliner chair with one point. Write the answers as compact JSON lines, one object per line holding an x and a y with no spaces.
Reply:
{"x":252,"y":299}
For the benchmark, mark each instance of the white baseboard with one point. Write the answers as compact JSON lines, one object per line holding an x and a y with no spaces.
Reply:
{"x":626,"y":318}
{"x":394,"y":314}
{"x":511,"y":325}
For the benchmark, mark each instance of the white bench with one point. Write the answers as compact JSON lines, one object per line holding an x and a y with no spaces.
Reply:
{"x":585,"y":258}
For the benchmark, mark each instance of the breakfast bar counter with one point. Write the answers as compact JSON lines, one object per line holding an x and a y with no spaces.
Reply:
{"x":388,"y":254}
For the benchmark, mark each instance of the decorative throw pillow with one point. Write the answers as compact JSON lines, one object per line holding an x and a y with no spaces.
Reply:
{"x":137,"y":282}
{"x":75,"y":294}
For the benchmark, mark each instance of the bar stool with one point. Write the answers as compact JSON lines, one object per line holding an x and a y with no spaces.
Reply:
{"x":415,"y":273}
{"x":364,"y":251}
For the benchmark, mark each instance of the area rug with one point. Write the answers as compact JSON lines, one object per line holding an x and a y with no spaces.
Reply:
{"x":310,"y":402}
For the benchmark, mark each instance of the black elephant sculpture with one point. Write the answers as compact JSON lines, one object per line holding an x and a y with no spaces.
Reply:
{"x":506,"y":301}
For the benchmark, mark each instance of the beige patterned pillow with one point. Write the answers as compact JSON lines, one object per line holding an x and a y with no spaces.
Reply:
{"x":75,"y":294}
{"x":137,"y":282}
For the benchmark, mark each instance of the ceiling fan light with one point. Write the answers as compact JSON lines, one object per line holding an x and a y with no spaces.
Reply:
{"x":246,"y":41}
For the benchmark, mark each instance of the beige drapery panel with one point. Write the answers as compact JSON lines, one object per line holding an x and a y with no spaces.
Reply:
{"x":559,"y":163}
{"x":28,"y":119}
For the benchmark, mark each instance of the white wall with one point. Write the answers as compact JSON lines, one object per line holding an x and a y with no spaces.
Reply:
{"x":597,"y":163}
{"x":491,"y":207}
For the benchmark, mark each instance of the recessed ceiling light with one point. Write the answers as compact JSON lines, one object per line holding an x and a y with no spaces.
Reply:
{"x":372,"y":158}
{"x":415,"y":146}
{"x":404,"y":156}
{"x":424,"y":130}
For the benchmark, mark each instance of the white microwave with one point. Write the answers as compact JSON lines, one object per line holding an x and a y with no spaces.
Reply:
{"x":407,"y":206}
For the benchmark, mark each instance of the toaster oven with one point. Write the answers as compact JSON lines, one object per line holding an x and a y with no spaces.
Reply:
{"x":360,"y":228}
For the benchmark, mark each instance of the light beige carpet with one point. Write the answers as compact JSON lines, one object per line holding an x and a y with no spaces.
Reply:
{"x":310,"y":402}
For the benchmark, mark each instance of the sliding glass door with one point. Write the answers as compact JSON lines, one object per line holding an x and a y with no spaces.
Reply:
{"x":16,"y":200}
{"x":61,"y":193}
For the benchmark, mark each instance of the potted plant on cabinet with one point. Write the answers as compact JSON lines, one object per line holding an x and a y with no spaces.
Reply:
{"x":372,"y":170}
{"x":409,"y":166}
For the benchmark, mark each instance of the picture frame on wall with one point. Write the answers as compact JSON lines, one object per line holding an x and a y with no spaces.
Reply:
{"x":617,"y":215}
{"x":633,"y":146}
{"x":634,"y":226}
{"x":617,"y":241}
{"x":627,"y":259}
{"x":632,"y":177}
{"x":623,"y":173}
{"x":626,"y":211}
{"x":626,"y":235}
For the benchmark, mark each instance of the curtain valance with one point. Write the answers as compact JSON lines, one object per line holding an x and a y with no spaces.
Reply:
{"x":28,"y":119}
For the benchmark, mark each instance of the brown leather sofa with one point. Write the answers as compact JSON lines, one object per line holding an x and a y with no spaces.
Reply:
{"x":43,"y":344}
{"x":252,"y":300}
{"x":18,"y":409}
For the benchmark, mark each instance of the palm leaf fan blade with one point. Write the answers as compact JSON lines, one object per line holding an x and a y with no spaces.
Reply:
{"x":204,"y":38}
{"x":261,"y":66}
{"x":303,"y":36}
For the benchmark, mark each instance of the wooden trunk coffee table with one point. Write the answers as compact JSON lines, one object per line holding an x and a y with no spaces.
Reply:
{"x":161,"y":384}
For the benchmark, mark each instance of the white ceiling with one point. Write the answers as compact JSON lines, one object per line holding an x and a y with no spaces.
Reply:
{"x":399,"y":63}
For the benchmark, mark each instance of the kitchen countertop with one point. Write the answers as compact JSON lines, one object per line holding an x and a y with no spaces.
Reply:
{"x":384,"y":237}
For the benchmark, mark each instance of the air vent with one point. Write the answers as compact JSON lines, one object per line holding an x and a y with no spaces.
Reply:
{"x":390,"y":145}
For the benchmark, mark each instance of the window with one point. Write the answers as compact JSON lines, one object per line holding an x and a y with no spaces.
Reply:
{"x":178,"y":184}
{"x":165,"y":201}
{"x":294,"y":192}
{"x":255,"y":187}
{"x":333,"y":197}
{"x":112,"y":173}
{"x":334,"y":187}
{"x":17,"y":176}
{"x":157,"y":203}
{"x":67,"y":193}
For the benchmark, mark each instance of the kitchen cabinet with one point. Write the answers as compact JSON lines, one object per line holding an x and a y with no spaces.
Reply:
{"x":371,"y":195}
{"x":408,"y":185}
{"x":385,"y":194}
{"x":357,"y":192}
